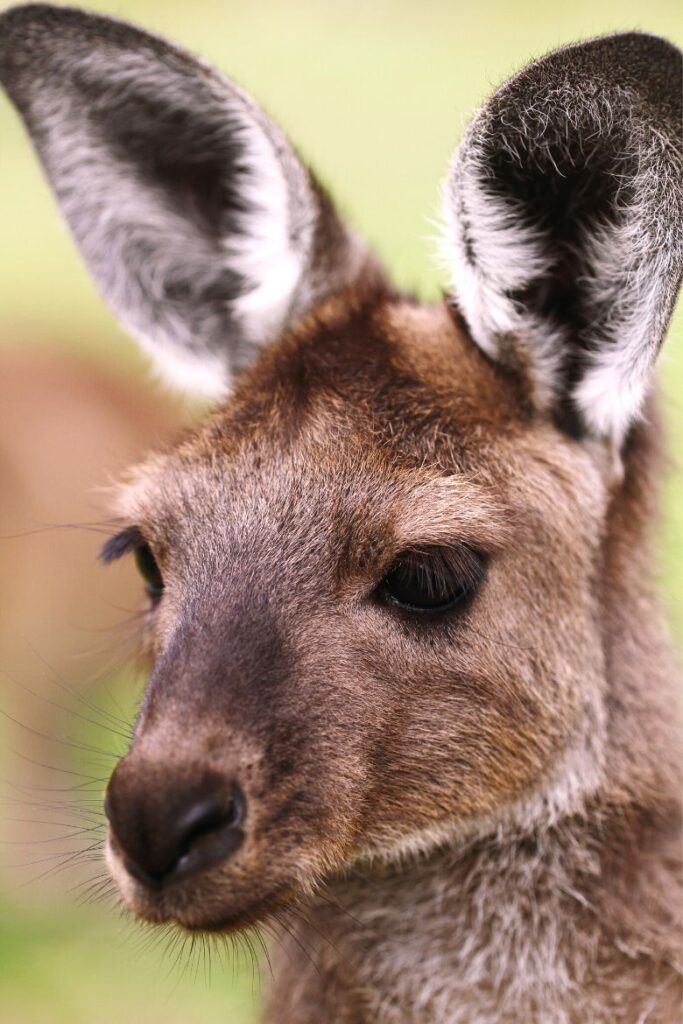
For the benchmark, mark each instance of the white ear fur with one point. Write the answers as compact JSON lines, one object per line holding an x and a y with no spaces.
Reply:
{"x":618,"y":372}
{"x":271,"y":249}
{"x":260,"y":251}
{"x":201,"y":226}
{"x":563,"y":212}
{"x":510,"y":256}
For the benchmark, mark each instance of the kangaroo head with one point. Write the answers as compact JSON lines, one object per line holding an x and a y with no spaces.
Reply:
{"x":376,"y":573}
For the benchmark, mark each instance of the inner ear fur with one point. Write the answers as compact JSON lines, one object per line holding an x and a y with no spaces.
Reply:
{"x":205,"y":232}
{"x":563,"y":212}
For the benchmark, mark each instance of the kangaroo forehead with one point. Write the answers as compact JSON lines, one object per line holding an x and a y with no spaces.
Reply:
{"x":390,"y":368}
{"x":363,"y":392}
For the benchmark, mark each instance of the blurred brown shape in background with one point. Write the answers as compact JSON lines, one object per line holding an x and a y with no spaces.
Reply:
{"x":68,"y":427}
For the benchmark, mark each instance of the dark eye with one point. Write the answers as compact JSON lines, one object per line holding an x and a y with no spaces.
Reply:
{"x":151,"y":573}
{"x":433,"y":579}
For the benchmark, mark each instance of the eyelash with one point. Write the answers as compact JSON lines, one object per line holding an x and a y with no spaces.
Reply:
{"x":132,"y":540}
{"x":121,"y":544}
{"x":432,"y":580}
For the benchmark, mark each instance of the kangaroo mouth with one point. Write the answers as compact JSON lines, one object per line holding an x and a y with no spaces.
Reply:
{"x":202,"y":916}
{"x":252,"y":915}
{"x":211,"y":902}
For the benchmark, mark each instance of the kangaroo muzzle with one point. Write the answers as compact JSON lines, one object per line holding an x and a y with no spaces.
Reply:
{"x":190,"y":823}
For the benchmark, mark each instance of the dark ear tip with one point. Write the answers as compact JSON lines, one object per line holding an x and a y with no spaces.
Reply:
{"x":637,"y":55}
{"x":640,"y":46}
{"x":651,"y":66}
{"x":631,"y":73}
{"x":633,"y":38}
{"x":21,"y":28}
{"x":28,"y":28}
{"x":25,"y":18}
{"x":38,"y":39}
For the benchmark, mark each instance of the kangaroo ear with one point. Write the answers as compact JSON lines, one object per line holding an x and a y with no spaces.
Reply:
{"x":202,"y":228}
{"x":564,"y":225}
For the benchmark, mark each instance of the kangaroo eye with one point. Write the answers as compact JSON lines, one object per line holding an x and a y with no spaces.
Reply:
{"x":131,"y":540}
{"x":433,"y":579}
{"x":148,"y":568}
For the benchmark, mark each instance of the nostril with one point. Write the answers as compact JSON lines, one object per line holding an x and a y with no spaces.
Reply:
{"x":176,"y":828}
{"x":212,"y":814}
{"x":209,"y":832}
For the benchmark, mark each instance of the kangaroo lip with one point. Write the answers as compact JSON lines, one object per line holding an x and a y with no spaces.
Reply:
{"x":238,"y":920}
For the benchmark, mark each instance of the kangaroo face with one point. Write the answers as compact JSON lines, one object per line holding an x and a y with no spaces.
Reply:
{"x":351,"y":655}
{"x":374,"y":574}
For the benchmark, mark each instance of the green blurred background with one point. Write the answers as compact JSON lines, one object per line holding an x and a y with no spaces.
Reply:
{"x":376,"y":95}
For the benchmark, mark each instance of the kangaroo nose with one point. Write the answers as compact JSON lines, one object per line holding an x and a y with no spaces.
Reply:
{"x":170,"y":825}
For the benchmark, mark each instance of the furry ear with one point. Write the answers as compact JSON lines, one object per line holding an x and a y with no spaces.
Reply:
{"x":564,"y":225}
{"x":202,"y":228}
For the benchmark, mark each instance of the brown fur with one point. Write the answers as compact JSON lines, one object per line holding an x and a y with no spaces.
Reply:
{"x":353,"y":733}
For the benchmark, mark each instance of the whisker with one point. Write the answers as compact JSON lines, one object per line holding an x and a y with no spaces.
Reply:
{"x":83,"y":787}
{"x":337,"y":906}
{"x":305,"y":918}
{"x":81,"y":810}
{"x":52,"y":527}
{"x":50,"y":872}
{"x":58,"y":680}
{"x":70,"y":711}
{"x":55,"y":739}
{"x":291,"y":932}
{"x":50,"y":839}
{"x":261,"y":941}
{"x":52,"y":767}
{"x":57,"y":824}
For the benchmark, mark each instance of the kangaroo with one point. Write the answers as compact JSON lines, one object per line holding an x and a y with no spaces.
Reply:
{"x":410,"y":686}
